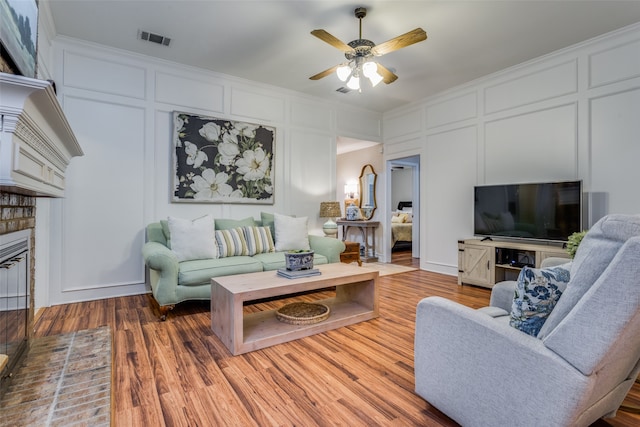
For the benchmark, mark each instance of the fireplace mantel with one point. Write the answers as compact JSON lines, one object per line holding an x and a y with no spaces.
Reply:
{"x":36,"y":141}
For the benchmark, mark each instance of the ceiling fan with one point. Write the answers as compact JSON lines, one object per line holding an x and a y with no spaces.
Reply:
{"x":360,"y":55}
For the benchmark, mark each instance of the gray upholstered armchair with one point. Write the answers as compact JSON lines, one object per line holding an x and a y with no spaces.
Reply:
{"x":480,"y":371}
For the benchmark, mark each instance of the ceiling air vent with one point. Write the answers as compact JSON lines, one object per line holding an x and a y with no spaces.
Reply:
{"x":343,"y":89}
{"x":154,"y":38}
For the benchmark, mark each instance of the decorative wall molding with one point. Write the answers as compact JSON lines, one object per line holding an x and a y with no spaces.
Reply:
{"x":453,"y":110}
{"x":539,"y":85}
{"x":626,"y":55}
{"x":571,"y":114}
{"x":136,"y":135}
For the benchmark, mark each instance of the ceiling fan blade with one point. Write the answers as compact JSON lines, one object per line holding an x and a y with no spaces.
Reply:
{"x":387,"y":76}
{"x":324,"y":73}
{"x":333,"y":41}
{"x":399,"y":42}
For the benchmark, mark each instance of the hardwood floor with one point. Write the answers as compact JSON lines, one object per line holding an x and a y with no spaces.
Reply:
{"x":177,"y":373}
{"x":404,"y":258}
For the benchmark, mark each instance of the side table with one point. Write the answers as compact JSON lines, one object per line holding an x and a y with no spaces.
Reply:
{"x":365,"y":227}
{"x":351,"y":253}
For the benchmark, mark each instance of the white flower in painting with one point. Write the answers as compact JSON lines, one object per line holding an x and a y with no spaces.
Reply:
{"x":228,"y":152}
{"x":195,"y":157}
{"x":231,"y":136}
{"x":210,"y":132}
{"x":253,"y":165}
{"x":237,"y":194}
{"x":268,"y":189}
{"x":211,"y":185}
{"x":179,"y":123}
{"x":246,"y":129}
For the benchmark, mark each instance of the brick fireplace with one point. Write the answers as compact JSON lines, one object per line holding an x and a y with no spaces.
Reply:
{"x":36,"y":146}
{"x":17,"y":226}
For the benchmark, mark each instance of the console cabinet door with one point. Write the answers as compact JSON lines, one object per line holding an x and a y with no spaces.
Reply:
{"x":475,"y":265}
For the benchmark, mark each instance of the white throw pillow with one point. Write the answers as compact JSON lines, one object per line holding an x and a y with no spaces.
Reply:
{"x":193,"y":239}
{"x":291,"y":233}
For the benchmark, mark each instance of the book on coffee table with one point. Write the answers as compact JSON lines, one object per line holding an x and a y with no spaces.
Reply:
{"x":291,"y":274}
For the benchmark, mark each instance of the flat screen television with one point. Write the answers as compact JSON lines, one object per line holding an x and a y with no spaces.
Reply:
{"x":541,"y":211}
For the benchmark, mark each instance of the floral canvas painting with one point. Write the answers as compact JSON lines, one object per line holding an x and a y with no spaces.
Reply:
{"x":222,"y":161}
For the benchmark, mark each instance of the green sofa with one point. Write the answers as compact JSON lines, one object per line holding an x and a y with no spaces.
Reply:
{"x":173,"y":282}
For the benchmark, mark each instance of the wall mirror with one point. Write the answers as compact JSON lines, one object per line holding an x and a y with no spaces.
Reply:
{"x":368,"y":191}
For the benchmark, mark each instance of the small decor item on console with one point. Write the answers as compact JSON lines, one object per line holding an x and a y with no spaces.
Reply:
{"x":302,"y":313}
{"x":353,"y":213}
{"x":299,"y":260}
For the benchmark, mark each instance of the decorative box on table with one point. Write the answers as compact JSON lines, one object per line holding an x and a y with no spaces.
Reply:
{"x":296,"y":261}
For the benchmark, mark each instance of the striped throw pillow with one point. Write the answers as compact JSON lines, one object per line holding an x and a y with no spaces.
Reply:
{"x":259,"y":240}
{"x":231,"y":242}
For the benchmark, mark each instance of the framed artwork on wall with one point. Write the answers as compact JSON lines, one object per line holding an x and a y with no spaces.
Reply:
{"x":222,"y":161}
{"x":19,"y":34}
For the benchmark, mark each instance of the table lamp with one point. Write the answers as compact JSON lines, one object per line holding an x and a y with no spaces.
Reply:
{"x":330,"y":210}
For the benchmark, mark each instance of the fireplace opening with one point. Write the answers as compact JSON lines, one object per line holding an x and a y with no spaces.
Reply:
{"x":14,"y":301}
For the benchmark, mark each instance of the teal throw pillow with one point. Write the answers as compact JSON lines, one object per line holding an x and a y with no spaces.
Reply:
{"x":537,"y":292}
{"x":268,"y":220}
{"x":227,"y":224}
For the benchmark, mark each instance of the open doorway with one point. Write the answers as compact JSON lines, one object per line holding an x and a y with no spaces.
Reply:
{"x":404,"y":208}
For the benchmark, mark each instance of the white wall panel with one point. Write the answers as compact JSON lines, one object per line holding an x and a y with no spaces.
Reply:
{"x":103,"y":228}
{"x":539,"y":146}
{"x":310,"y":178}
{"x":103,"y":75}
{"x":452,"y":110}
{"x":189,"y":92}
{"x":627,"y":64}
{"x":615,"y":141}
{"x":359,"y":124}
{"x":250,"y":104}
{"x":400,"y":148}
{"x":447,"y":192}
{"x":315,"y":116}
{"x":406,"y":123}
{"x":543,"y":84}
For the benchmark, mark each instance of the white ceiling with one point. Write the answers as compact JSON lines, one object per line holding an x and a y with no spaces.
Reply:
{"x":269,"y":41}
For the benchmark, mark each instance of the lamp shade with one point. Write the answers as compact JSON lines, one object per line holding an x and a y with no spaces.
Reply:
{"x":330,"y":210}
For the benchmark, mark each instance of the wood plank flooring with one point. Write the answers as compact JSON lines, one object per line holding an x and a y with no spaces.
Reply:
{"x":177,"y":373}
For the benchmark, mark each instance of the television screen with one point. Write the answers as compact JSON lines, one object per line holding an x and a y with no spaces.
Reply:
{"x":18,"y":34}
{"x":542,"y":211}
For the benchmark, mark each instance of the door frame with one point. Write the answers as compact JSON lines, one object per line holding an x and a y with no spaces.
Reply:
{"x":413,"y":162}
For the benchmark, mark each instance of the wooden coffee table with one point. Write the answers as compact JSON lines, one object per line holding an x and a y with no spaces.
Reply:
{"x":356,"y":300}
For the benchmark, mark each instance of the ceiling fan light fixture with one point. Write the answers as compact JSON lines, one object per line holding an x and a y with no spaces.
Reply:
{"x":375,"y":78}
{"x":354,"y":83}
{"x":343,"y":72}
{"x":360,"y":54}
{"x":370,"y":70}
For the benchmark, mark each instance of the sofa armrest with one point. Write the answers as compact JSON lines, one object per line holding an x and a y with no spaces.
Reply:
{"x":330,"y":247}
{"x":555,"y":261}
{"x":502,"y":292}
{"x":164,"y":261}
{"x":502,"y":295}
{"x":476,"y":369}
